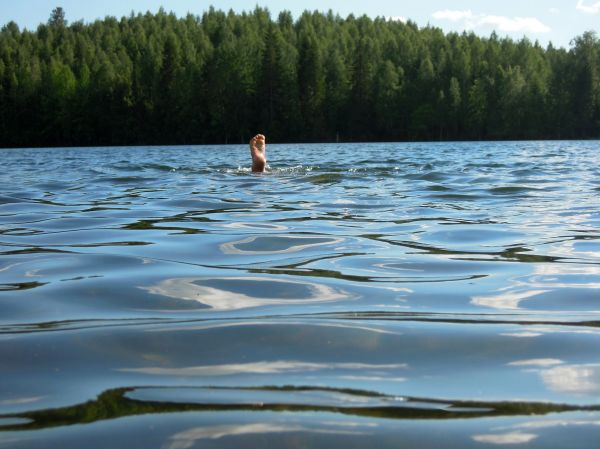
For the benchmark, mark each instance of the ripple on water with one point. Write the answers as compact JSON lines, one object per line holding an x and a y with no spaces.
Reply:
{"x":455,"y":196}
{"x":309,"y":305}
{"x":255,"y":226}
{"x":325,"y":178}
{"x":234,"y":293}
{"x":473,"y":236}
{"x":276,"y":244}
{"x":438,"y":188}
{"x":198,"y":204}
{"x":124,"y":180}
{"x":414,"y":268}
{"x":513,"y":190}
{"x":433,"y":176}
{"x":10,"y":200}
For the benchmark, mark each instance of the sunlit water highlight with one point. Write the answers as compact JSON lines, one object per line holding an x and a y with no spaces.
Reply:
{"x":437,"y":295}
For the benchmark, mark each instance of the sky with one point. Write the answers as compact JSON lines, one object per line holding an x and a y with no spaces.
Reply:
{"x":556,"y":21}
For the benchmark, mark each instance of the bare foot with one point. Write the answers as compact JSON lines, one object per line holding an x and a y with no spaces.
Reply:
{"x":258,"y":152}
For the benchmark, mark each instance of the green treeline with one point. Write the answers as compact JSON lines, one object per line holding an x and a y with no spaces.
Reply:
{"x":221,"y":77}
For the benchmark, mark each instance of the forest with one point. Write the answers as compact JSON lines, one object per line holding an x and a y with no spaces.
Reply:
{"x":221,"y":77}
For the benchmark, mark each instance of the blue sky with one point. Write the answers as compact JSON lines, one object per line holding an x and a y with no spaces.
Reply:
{"x":557,"y":21}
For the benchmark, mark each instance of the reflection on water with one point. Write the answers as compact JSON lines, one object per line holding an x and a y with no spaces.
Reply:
{"x":506,"y":301}
{"x":234,"y":293}
{"x":506,"y":438}
{"x":276,"y":367}
{"x":188,"y":438}
{"x":440,"y":295}
{"x":578,"y":379}
{"x":286,"y":244}
{"x":537,"y":362}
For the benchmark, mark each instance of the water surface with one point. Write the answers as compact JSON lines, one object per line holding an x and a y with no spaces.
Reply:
{"x":427,"y":295}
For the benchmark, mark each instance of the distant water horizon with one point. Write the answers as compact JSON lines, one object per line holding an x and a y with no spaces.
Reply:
{"x":330,"y":142}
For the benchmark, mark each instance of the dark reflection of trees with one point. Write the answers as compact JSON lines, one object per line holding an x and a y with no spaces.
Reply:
{"x":317,"y":272}
{"x":188,"y":217}
{"x":33,"y":250}
{"x":146,"y":225}
{"x":113,"y":404}
{"x":21,"y":286}
{"x":512,"y":254}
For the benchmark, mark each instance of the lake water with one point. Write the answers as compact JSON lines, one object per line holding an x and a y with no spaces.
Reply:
{"x":380,"y":295}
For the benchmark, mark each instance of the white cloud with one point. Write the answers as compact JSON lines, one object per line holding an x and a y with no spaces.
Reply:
{"x":591,"y":9}
{"x":516,"y":24}
{"x":501,"y":23}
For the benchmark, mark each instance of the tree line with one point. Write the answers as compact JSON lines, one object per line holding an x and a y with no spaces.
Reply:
{"x":221,"y":77}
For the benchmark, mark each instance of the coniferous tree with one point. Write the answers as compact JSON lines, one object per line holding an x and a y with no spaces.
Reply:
{"x":57,"y":18}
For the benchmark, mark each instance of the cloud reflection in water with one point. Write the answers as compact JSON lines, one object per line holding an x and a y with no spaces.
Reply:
{"x":536,"y":362}
{"x":577,"y":379}
{"x":545,"y":278}
{"x":262,"y":367}
{"x":187,"y":438}
{"x":506,"y":300}
{"x":506,"y":438}
{"x":277,"y":244}
{"x":233,"y":293}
